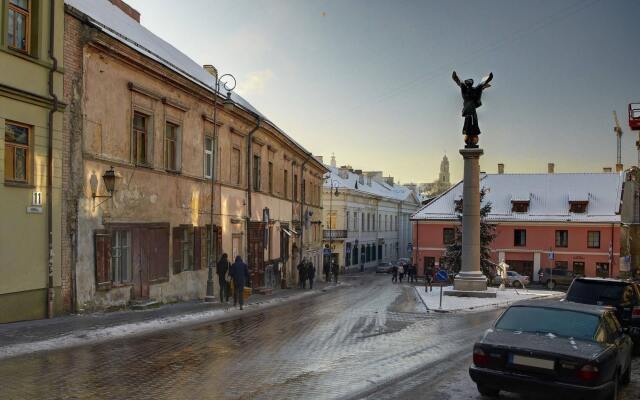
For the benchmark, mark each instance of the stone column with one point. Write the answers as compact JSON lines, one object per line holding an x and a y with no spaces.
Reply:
{"x":470,"y":277}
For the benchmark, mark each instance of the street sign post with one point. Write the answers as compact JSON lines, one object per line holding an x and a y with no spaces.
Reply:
{"x":441,"y":276}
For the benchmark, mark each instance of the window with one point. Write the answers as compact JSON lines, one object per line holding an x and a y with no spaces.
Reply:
{"x":519,"y":206}
{"x":602,"y":270}
{"x":593,"y":239}
{"x":295,"y":187}
{"x":140,"y":138}
{"x":355,"y":223}
{"x":362,"y":222}
{"x":187,"y":249}
{"x":256,"y":172}
{"x":19,"y":25}
{"x":171,"y":147}
{"x":286,"y":184}
{"x":270,"y":172}
{"x":208,"y":157}
{"x":331,"y":220}
{"x":304,"y":190}
{"x":120,"y":256}
{"x":559,"y":322}
{"x":578,"y":268}
{"x":386,"y":223}
{"x":562,"y":238}
{"x":579,"y":207}
{"x":519,"y":237}
{"x":448,"y":236}
{"x":17,"y":152}
{"x":368,"y":222}
{"x":373,"y":222}
{"x":235,"y":166}
{"x":346,"y":220}
{"x":561,"y":268}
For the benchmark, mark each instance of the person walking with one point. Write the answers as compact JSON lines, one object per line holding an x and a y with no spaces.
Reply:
{"x":428,"y":280}
{"x":334,"y":270}
{"x":223,"y":277}
{"x":311,"y":273}
{"x":327,"y":272}
{"x":240,"y":274}
{"x":394,"y":274}
{"x":414,"y":273}
{"x":401,"y":272}
{"x":302,"y":274}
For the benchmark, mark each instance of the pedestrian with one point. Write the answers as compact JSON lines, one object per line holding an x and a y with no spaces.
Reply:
{"x":401,"y":272}
{"x":240,"y":274}
{"x":311,"y":273}
{"x":428,"y":280}
{"x":361,"y":267}
{"x":302,"y":273}
{"x":334,"y":270}
{"x":394,"y":274}
{"x":414,"y":273}
{"x":223,"y":277}
{"x":327,"y":271}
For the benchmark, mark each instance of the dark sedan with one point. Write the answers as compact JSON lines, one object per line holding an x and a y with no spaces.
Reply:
{"x":552,"y":348}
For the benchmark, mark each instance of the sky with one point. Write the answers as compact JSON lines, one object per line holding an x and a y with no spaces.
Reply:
{"x":370,"y":81}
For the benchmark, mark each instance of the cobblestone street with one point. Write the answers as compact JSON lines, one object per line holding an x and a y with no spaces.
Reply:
{"x":368,"y":339}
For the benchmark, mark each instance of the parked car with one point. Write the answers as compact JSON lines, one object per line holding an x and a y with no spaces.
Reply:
{"x":513,"y":279}
{"x":553,"y":348}
{"x":556,"y":277}
{"x":384,"y":268}
{"x":624,"y":296}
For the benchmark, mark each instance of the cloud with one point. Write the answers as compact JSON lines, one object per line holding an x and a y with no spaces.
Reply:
{"x":255,"y":82}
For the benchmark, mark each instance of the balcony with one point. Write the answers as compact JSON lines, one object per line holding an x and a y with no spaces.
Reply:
{"x":334,"y":234}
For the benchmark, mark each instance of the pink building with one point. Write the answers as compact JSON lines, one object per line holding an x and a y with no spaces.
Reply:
{"x":567,"y":221}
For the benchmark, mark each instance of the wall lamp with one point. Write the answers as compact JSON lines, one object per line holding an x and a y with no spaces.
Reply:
{"x":109,"y":180}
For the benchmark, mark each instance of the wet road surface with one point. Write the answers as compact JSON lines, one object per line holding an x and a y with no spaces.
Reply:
{"x":368,"y":340}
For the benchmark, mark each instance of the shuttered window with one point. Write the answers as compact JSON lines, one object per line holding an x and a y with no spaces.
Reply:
{"x":120,"y":256}
{"x":102,"y":242}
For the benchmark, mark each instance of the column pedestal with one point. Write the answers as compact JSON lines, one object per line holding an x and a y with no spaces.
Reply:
{"x":470,"y":277}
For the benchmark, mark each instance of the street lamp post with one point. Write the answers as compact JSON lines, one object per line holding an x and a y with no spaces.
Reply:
{"x":334,"y":185}
{"x":228,"y":82}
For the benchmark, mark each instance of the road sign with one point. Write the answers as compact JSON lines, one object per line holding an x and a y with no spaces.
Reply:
{"x":551,"y":255}
{"x":409,"y":247}
{"x":442,"y":276}
{"x":327,"y":252}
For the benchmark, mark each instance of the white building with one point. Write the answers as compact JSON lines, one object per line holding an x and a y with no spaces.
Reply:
{"x":367,"y":222}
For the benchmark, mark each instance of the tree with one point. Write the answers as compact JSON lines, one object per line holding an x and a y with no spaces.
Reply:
{"x":453,"y":254}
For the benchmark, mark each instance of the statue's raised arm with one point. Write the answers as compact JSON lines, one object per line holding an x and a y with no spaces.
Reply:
{"x":484,"y":83}
{"x":456,"y":79}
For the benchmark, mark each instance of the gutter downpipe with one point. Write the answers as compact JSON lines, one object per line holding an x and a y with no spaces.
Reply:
{"x":249,"y":183}
{"x":303,"y":195}
{"x":54,"y":108}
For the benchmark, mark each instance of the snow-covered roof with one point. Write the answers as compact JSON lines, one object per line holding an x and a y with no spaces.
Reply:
{"x":345,"y":179}
{"x":103,"y":15}
{"x":548,"y":194}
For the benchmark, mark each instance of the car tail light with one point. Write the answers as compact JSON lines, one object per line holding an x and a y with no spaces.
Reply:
{"x":480,"y":358}
{"x":588,"y":372}
{"x":635,"y":312}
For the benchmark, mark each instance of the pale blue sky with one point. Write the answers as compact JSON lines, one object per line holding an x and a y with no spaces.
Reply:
{"x":371,"y":80}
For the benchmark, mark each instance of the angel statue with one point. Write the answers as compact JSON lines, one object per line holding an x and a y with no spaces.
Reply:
{"x":471,"y":100}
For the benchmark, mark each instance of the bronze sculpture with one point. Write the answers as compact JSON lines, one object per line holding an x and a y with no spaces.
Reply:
{"x":471,"y":97}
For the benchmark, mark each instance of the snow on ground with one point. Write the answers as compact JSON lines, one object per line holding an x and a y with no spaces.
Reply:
{"x":504,"y":297}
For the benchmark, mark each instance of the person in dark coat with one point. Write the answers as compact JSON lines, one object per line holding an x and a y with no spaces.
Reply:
{"x":240,"y":274}
{"x":327,"y":272}
{"x":394,"y":274}
{"x":223,"y":270}
{"x":334,"y":270}
{"x":311,"y":273}
{"x":302,"y":273}
{"x":428,"y":280}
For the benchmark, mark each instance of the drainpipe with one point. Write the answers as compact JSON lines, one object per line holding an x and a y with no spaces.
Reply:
{"x":249,"y":182}
{"x":54,"y":107}
{"x":303,"y":195}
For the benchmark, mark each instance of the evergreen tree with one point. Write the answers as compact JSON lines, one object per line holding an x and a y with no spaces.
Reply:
{"x":453,"y":255}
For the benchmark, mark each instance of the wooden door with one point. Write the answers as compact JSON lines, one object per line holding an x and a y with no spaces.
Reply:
{"x":256,"y":253}
{"x":140,"y":263}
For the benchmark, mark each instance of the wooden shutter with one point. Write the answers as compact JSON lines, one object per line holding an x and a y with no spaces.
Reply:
{"x":199,"y":248}
{"x":103,"y":259}
{"x":158,"y":242}
{"x":177,"y":250}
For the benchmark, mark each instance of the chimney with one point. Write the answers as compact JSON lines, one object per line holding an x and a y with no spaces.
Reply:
{"x":211,"y":69}
{"x":619,"y":168}
{"x":501,"y":168}
{"x":606,"y":169}
{"x":127,"y":9}
{"x":551,"y":168}
{"x":389,"y":180}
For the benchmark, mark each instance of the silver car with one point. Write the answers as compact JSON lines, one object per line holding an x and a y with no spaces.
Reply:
{"x":384,"y":268}
{"x":513,"y":279}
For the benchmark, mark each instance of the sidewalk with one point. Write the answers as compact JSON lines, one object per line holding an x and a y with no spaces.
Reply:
{"x":25,"y":337}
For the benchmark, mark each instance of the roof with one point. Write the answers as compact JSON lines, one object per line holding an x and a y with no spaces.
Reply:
{"x":563,"y":305}
{"x":548,"y":194}
{"x":108,"y":18}
{"x":377,"y":187}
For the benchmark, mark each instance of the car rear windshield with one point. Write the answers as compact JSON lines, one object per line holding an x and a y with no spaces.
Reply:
{"x":559,"y":322}
{"x":593,"y":292}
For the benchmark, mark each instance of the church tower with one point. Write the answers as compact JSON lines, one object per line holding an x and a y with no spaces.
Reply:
{"x":444,"y":171}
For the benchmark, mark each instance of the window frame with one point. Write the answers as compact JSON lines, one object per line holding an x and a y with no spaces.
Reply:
{"x":522,"y":235}
{"x":28,"y":148}
{"x":256,"y":172}
{"x":285,"y":183}
{"x":236,"y":179}
{"x":558,"y":237}
{"x":445,"y":233}
{"x":270,"y":177}
{"x":209,"y":154}
{"x":117,"y":257}
{"x":176,"y":146}
{"x":146,"y":133}
{"x":187,"y":246}
{"x":27,"y":28}
{"x":591,"y":243}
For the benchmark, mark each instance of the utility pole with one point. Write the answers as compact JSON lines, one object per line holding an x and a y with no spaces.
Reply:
{"x":618,"y":130}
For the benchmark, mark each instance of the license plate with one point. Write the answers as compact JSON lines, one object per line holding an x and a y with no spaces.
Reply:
{"x":532,"y":362}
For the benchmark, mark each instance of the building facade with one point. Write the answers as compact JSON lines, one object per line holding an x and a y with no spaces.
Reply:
{"x":367,"y":222}
{"x":196,"y":175}
{"x":31,"y":110}
{"x":569,"y":221}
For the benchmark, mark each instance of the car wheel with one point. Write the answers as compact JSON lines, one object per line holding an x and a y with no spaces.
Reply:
{"x":616,"y":385}
{"x":517,"y":284}
{"x":488,"y":391}
{"x":551,"y":285}
{"x":626,"y":377}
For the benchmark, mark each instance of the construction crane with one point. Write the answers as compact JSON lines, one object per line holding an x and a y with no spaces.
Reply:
{"x":634,"y":124}
{"x":618,"y":130}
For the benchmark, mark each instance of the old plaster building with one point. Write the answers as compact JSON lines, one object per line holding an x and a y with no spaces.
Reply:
{"x":31,"y":110}
{"x":367,"y":222}
{"x":186,"y":189}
